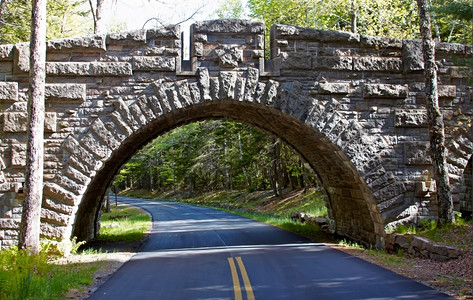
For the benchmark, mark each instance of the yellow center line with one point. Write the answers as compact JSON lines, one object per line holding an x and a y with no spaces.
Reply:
{"x":246,"y":280}
{"x":236,"y":281}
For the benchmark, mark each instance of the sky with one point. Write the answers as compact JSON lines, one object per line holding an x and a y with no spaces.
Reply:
{"x":135,"y":13}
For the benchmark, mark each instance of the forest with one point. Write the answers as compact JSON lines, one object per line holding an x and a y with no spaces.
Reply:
{"x":216,"y":155}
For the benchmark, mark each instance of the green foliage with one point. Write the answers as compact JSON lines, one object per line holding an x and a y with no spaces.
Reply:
{"x":27,"y":276}
{"x":454,"y":19}
{"x":406,"y":229}
{"x":123,"y":224}
{"x":230,"y":9}
{"x":210,"y":156}
{"x":390,"y":18}
{"x":387,"y":18}
{"x":350,"y":244}
{"x":65,"y":18}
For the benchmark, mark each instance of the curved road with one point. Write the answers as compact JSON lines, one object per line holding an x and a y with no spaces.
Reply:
{"x":201,"y":253}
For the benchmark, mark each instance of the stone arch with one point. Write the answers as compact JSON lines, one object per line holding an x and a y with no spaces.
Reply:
{"x":358,"y":187}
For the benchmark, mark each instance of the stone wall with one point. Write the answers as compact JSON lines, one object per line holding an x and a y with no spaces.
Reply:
{"x":353,"y":106}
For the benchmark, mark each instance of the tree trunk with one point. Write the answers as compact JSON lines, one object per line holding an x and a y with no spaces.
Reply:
{"x":30,"y":221}
{"x":277,"y":186}
{"x":107,"y":204}
{"x":97,"y":12}
{"x":3,"y":3}
{"x":353,"y":17}
{"x":435,"y":119}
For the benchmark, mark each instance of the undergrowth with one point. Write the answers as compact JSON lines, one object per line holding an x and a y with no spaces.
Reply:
{"x":27,"y":276}
{"x":123,"y":223}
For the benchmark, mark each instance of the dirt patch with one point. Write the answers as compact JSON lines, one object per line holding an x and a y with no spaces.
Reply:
{"x":110,"y":257}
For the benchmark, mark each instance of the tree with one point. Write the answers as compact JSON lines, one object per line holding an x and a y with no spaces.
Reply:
{"x":435,"y":118}
{"x":455,"y":20}
{"x":65,"y":18}
{"x":389,"y":18}
{"x":97,"y":14}
{"x":230,"y":9}
{"x":30,"y":221}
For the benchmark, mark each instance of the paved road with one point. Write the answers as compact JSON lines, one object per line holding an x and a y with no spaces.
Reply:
{"x":201,"y":253}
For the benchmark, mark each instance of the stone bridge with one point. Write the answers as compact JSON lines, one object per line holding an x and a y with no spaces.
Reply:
{"x":353,"y":106}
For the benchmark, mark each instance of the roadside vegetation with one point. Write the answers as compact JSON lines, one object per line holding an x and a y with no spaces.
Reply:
{"x":27,"y":276}
{"x":123,"y":223}
{"x":48,"y":275}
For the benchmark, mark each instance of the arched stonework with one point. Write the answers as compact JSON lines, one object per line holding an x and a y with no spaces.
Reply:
{"x":337,"y":148}
{"x":352,"y":105}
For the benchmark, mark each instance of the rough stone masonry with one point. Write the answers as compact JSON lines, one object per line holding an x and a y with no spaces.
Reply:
{"x":353,"y":106}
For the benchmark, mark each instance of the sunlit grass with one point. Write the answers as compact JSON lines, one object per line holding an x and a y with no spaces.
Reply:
{"x":123,"y":223}
{"x":27,"y":276}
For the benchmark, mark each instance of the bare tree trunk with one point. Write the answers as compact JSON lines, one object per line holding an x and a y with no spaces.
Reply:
{"x":30,"y":221}
{"x":353,"y":17}
{"x":97,"y":12}
{"x":107,"y":204}
{"x":435,"y":119}
{"x":277,"y":185}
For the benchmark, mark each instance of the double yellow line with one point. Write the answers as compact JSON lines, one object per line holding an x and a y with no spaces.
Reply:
{"x":236,"y":279}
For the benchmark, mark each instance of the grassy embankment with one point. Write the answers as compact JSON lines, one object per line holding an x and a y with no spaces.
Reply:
{"x":26,"y":276}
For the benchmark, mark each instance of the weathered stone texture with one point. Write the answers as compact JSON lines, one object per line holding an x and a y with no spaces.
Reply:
{"x":82,"y":44}
{"x":352,"y":105}
{"x":15,"y":122}
{"x":6,"y":52}
{"x":65,"y":92}
{"x":88,"y":69}
{"x":154,"y":63}
{"x":9,"y":91}
{"x":385,"y":91}
{"x":21,"y":58}
{"x":410,"y":118}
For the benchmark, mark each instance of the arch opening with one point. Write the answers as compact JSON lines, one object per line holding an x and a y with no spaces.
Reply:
{"x":349,"y":200}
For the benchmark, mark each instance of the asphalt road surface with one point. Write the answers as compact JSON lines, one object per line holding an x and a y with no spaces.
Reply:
{"x":201,"y":253}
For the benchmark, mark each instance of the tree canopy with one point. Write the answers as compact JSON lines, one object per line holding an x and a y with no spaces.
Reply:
{"x":387,"y":18}
{"x":215,"y":155}
{"x":65,"y":18}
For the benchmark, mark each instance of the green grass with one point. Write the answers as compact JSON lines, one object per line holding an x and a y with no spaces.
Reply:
{"x":27,"y":276}
{"x":123,"y":223}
